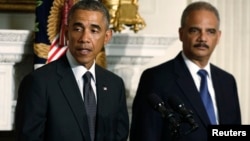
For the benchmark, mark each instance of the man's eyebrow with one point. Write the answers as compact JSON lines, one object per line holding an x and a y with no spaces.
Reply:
{"x":96,"y":26}
{"x":77,"y":24}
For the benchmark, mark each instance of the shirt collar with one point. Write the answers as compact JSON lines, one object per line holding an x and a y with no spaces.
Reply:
{"x":78,"y":69}
{"x":193,"y":68}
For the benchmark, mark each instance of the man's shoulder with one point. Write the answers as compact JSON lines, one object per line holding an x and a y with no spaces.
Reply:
{"x":104,"y":72}
{"x":49,"y":69}
{"x":219,"y":71}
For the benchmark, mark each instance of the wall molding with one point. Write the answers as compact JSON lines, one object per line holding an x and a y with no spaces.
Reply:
{"x":125,"y":55}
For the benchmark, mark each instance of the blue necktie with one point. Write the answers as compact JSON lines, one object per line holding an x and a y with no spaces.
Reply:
{"x":205,"y":96}
{"x":90,"y":103}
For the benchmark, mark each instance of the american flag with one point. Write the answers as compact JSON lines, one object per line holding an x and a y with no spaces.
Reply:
{"x":59,"y":44}
{"x":51,"y":19}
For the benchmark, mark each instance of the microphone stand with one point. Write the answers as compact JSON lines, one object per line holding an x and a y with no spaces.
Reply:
{"x":175,"y":133}
{"x":193,"y":127}
{"x":174,"y":127}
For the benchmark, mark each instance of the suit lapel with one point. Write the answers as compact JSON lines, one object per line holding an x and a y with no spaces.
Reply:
{"x":102,"y":88}
{"x":72,"y":94}
{"x":190,"y":92}
{"x":102,"y":96}
{"x":218,"y":89}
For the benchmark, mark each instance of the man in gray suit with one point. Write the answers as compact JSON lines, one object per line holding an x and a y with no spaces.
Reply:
{"x":50,"y":104}
{"x":199,"y":34}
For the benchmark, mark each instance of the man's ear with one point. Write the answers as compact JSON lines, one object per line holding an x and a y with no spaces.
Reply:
{"x":219,"y":35}
{"x":180,"y":33}
{"x":108,"y":36}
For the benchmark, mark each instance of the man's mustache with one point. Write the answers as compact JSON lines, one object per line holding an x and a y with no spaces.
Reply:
{"x":201,"y":45}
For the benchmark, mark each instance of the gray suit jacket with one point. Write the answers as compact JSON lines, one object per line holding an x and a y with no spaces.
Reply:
{"x":50,"y":106}
{"x":174,"y":78}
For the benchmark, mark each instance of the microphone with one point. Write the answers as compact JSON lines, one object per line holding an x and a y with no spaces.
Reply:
{"x":167,"y":113}
{"x":179,"y":106}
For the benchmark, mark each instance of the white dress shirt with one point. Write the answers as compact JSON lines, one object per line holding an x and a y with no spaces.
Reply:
{"x":193,"y":69}
{"x":79,"y":71}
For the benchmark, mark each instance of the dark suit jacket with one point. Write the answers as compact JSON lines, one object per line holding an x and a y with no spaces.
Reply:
{"x":174,"y":78}
{"x":50,"y":106}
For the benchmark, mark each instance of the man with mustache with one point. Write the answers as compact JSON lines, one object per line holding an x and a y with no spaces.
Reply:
{"x":199,"y":34}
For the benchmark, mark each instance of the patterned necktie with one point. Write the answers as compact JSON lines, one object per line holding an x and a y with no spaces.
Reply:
{"x":90,"y":103}
{"x":206,"y":98}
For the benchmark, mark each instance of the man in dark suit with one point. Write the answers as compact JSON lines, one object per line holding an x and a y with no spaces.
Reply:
{"x":51,"y":101}
{"x":199,"y":33}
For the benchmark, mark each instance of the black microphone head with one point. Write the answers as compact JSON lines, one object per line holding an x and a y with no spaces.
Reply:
{"x":166,"y":112}
{"x":175,"y":102}
{"x":154,"y":100}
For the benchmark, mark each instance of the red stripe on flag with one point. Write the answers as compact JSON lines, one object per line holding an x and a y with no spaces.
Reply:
{"x":59,"y":44}
{"x":54,"y":42}
{"x":59,"y":51}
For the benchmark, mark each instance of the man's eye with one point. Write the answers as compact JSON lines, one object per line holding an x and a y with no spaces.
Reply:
{"x":77,"y":29}
{"x":212,"y":31}
{"x":193,"y":30}
{"x":94,"y":30}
